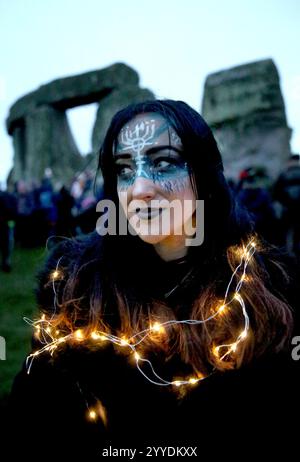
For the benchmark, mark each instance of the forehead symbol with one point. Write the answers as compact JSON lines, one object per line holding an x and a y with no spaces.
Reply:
{"x":137,"y":139}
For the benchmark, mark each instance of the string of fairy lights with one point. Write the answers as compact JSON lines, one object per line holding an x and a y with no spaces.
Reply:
{"x":51,"y":338}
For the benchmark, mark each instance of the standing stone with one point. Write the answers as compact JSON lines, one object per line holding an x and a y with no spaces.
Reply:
{"x":245,"y":109}
{"x":19,"y":152}
{"x":50,"y":143}
{"x":38,"y":124}
{"x":76,"y":90}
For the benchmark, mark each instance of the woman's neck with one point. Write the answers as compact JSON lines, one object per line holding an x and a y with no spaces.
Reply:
{"x":171,"y":248}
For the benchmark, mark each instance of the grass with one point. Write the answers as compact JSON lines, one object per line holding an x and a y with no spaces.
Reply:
{"x":16,"y":301}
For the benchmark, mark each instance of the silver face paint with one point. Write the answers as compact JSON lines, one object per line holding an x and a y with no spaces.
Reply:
{"x":170,"y":171}
{"x":136,"y":140}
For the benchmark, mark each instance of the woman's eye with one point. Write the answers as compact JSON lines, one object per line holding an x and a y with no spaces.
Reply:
{"x":123,"y":170}
{"x":164,"y":164}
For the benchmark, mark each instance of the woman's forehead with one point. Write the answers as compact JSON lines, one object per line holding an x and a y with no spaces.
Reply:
{"x":145,"y":131}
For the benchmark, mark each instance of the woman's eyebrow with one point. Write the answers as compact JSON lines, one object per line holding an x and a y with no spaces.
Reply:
{"x":153,"y":150}
{"x":156,"y":149}
{"x":119,"y":155}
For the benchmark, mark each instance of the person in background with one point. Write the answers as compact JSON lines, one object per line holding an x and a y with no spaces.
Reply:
{"x":287,"y":192}
{"x":8,"y":215}
{"x":26,"y":205}
{"x":65,"y":221}
{"x":253,"y":194}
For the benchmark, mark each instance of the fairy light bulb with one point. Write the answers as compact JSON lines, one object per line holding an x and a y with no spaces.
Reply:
{"x":237,"y":297}
{"x":246,"y":254}
{"x":243,"y":334}
{"x":216,"y":351}
{"x":98,"y":336}
{"x":92,"y":414}
{"x":95,"y":336}
{"x":234,"y":347}
{"x":221,"y":309}
{"x":55,"y":274}
{"x":157,"y":327}
{"x":78,"y":334}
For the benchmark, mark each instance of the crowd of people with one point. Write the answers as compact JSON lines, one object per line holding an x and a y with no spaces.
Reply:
{"x":33,"y":212}
{"x":273,"y":206}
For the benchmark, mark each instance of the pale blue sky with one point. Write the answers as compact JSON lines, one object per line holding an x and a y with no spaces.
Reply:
{"x":173,"y":44}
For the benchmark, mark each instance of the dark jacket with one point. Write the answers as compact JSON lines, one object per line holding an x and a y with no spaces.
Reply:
{"x":287,"y":188}
{"x":252,"y":410}
{"x":8,"y":207}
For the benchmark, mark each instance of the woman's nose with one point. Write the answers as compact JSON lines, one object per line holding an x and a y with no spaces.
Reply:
{"x":143,"y":189}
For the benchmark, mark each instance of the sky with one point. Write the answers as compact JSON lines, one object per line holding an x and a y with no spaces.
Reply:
{"x":172,"y":44}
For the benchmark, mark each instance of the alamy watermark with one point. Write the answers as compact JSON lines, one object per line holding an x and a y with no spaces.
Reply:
{"x":158,"y":217}
{"x":2,"y":349}
{"x":296,"y":350}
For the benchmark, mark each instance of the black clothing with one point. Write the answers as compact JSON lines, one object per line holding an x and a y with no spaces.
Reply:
{"x":287,"y":188}
{"x":65,"y":221}
{"x":258,"y":202}
{"x":246,"y":411}
{"x":287,"y":192}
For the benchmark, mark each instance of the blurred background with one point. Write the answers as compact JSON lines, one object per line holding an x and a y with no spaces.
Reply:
{"x":68,"y":66}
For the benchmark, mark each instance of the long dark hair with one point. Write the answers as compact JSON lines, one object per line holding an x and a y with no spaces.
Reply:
{"x":111,"y":285}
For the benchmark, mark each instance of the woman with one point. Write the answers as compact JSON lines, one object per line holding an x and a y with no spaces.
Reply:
{"x":157,"y":338}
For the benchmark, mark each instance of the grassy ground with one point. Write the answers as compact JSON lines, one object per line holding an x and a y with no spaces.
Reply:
{"x":16,"y":301}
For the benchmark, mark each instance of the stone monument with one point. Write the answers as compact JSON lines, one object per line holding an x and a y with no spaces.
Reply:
{"x":245,"y":109}
{"x":39,"y":127}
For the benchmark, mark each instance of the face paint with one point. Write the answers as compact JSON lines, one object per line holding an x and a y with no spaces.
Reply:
{"x":154,"y":184}
{"x":165,"y":167}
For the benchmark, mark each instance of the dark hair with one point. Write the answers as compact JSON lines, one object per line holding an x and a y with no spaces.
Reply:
{"x":109,"y":299}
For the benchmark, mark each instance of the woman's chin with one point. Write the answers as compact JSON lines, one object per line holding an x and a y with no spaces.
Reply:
{"x":151,"y":239}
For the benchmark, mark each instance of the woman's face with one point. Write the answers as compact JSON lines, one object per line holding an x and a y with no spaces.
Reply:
{"x":154,"y":186}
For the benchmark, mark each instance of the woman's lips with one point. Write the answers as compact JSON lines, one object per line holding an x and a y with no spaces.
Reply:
{"x":148,"y":213}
